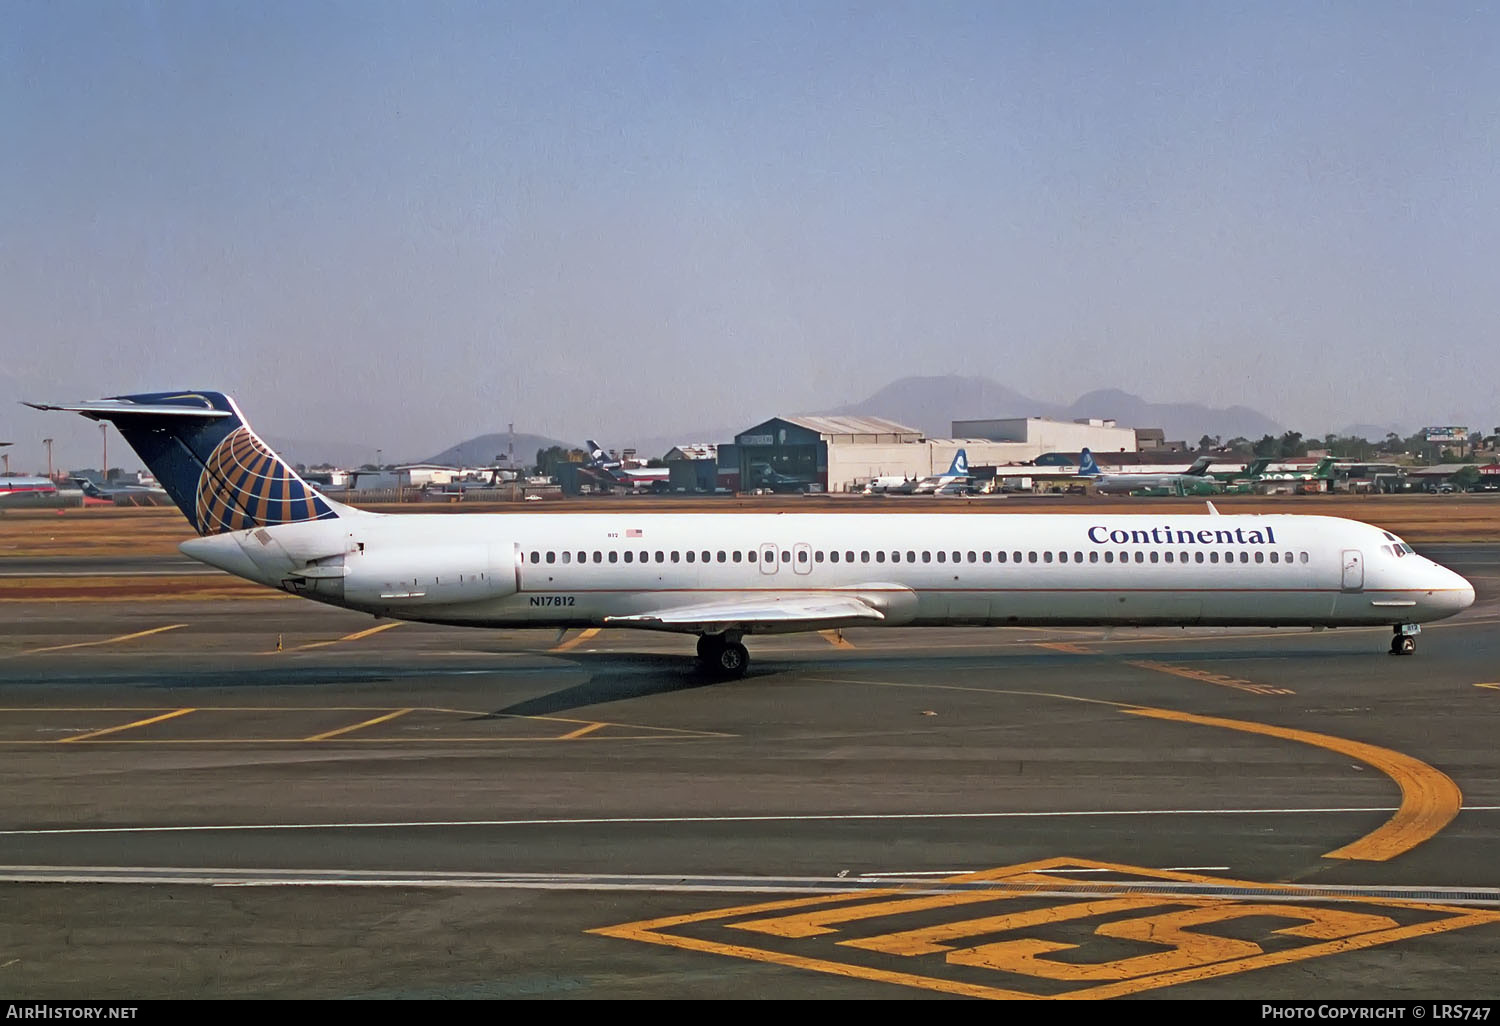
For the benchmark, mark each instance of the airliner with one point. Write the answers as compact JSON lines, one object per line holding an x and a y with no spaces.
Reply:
{"x":956,"y":476}
{"x":1123,"y":484}
{"x":724,"y":576}
{"x":626,"y":477}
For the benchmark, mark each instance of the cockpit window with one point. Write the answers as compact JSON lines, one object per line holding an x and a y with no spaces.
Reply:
{"x":1406,"y":548}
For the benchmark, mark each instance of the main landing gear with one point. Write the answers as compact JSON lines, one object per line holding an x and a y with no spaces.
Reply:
{"x":723,"y":655}
{"x":1404,"y":642}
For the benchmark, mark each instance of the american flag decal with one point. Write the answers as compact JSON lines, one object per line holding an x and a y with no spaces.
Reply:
{"x":632,"y":533}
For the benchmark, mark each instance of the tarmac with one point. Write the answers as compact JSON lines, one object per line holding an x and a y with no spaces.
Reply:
{"x":252,"y":795}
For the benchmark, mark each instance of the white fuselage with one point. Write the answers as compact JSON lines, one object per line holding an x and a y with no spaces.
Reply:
{"x":919,"y":569}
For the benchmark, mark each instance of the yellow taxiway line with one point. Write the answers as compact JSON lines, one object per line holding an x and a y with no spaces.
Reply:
{"x":126,"y":726}
{"x":836,"y":639}
{"x":367,"y":723}
{"x":574,"y":642}
{"x":105,"y":641}
{"x":349,"y":637}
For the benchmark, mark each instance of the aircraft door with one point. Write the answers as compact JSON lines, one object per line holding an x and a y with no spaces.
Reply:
{"x":1354,"y":570}
{"x":768,"y":557}
{"x":802,"y":558}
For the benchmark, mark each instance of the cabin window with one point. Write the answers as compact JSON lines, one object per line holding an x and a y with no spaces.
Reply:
{"x":818,"y":556}
{"x":1094,"y":556}
{"x":1109,"y":557}
{"x":926,"y":556}
{"x":1031,"y":557}
{"x":614,"y":557}
{"x":722,"y":557}
{"x":1015,"y":557}
{"x":895,"y":557}
{"x":958,"y":557}
{"x":986,"y":555}
{"x":1124,"y":557}
{"x":973,"y":558}
{"x":735,"y":556}
{"x":567,"y":557}
{"x":802,"y":557}
{"x":750,"y":556}
{"x":1303,"y":557}
{"x":1244,"y":557}
{"x":661,"y":557}
{"x":942,"y":557}
{"x":583,"y":557}
{"x":1000,"y":557}
{"x":598,"y":556}
{"x":645,"y":556}
{"x":1197,"y":557}
{"x":880,"y":557}
{"x":705,"y":556}
{"x":676,"y":556}
{"x":1213,"y":557}
{"x":1167,"y":556}
{"x":536,"y":557}
{"x":690,"y":555}
{"x":1260,"y":557}
{"x":848,"y":556}
{"x":1182,"y":557}
{"x":833,"y":556}
{"x":1062,"y":557}
{"x":629,"y":556}
{"x":864,"y":557}
{"x":1078,"y":557}
{"x":786,"y":555}
{"x":1046,"y":557}
{"x":1153,"y":555}
{"x":1140,"y":557}
{"x":1274,"y":556}
{"x":911,"y":557}
{"x":1287,"y":558}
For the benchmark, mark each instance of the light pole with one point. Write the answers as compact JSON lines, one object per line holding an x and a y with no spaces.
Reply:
{"x":48,"y":443}
{"x":104,"y":439}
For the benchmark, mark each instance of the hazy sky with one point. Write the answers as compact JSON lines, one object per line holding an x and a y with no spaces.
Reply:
{"x":403,"y":224}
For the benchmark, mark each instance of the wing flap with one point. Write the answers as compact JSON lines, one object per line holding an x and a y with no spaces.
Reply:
{"x":756,"y":614}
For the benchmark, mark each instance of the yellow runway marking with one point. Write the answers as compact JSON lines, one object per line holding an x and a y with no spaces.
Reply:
{"x":836,"y":639}
{"x":1429,"y":798}
{"x":1495,"y":686}
{"x":367,"y":723}
{"x":1012,"y":945}
{"x":349,"y":637}
{"x":1208,"y":676}
{"x":587,"y":729}
{"x":573,"y":642}
{"x":126,"y":726}
{"x":1071,"y":647}
{"x":106,"y":641}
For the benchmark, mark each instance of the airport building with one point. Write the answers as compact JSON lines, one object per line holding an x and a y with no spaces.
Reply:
{"x":1043,"y":434}
{"x":842,"y":454}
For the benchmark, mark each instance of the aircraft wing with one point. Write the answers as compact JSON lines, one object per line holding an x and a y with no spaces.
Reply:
{"x":753,"y":613}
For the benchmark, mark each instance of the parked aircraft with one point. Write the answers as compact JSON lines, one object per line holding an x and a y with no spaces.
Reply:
{"x":954,"y":480}
{"x":1189,"y":481}
{"x":762,"y":475}
{"x":626,"y":477}
{"x":723,"y":576}
{"x":124,"y":495}
{"x":18,"y":491}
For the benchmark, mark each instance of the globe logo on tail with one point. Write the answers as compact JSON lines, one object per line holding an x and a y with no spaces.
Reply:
{"x":244,"y":484}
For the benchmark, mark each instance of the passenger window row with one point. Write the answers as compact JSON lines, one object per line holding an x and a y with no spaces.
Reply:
{"x":912,"y":556}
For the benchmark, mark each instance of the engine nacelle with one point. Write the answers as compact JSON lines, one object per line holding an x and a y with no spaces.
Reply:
{"x":429,"y":575}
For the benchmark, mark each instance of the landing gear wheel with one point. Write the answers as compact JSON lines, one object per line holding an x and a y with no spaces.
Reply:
{"x":731,"y":660}
{"x":1403,"y":644}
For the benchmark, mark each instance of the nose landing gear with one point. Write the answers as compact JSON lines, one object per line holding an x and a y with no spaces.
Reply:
{"x":1404,"y":641}
{"x":723,"y":655}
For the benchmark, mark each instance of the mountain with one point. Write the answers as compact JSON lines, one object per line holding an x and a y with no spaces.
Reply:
{"x":931,"y":404}
{"x":1181,"y":421}
{"x":485,"y":450}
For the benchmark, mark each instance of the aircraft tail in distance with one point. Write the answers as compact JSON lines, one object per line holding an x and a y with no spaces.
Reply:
{"x":1086,"y":465}
{"x":217,"y":471}
{"x":1200,"y":467}
{"x":960,"y":465}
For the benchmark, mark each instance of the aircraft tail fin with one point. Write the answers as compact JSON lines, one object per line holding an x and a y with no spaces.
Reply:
{"x":960,"y":465}
{"x":1200,"y":466}
{"x":1086,"y":465}
{"x":218,"y":472}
